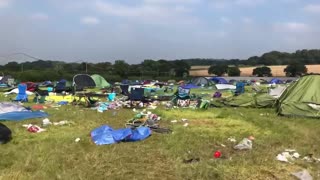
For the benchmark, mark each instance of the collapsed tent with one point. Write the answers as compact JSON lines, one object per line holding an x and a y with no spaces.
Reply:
{"x":301,"y":98}
{"x":251,"y":100}
{"x":5,"y":79}
{"x":81,"y":81}
{"x":202,"y":81}
{"x":106,"y":135}
{"x":219,"y":80}
{"x":100,"y":81}
{"x":277,"y":91}
{"x":16,"y":112}
{"x":31,"y":86}
{"x":276,"y":81}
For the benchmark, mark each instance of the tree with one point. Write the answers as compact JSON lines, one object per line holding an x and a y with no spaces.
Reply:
{"x":234,"y":71}
{"x":262,"y":71}
{"x":218,"y":69}
{"x":121,"y":68}
{"x":12,"y":66}
{"x":295,"y":69}
{"x":181,"y":68}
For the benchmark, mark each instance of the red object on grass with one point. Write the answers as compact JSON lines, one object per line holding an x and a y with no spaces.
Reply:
{"x":33,"y":129}
{"x":217,"y":154}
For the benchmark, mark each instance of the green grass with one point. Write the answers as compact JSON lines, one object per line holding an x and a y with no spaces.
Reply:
{"x":54,"y":154}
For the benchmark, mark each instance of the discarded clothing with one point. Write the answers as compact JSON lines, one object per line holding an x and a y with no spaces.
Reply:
{"x":106,"y":135}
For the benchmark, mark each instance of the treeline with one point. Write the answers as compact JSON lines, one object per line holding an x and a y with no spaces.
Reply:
{"x":41,"y":70}
{"x":270,"y":58}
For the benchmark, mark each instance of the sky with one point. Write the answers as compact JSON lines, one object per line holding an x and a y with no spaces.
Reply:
{"x":134,"y":30}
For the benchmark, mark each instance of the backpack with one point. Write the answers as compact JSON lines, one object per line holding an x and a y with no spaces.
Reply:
{"x":5,"y":134}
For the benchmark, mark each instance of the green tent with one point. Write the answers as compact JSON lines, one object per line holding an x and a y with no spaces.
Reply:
{"x":262,"y":100}
{"x":301,"y":98}
{"x":100,"y":81}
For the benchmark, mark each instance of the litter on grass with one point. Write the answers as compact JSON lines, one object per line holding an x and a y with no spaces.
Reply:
{"x":33,"y":128}
{"x":302,"y":175}
{"x":245,"y":144}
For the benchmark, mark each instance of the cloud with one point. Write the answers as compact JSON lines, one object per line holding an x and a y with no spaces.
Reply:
{"x":89,"y":20}
{"x":248,"y":2}
{"x":148,"y":12}
{"x":292,"y":27}
{"x":247,"y":20}
{"x":226,"y":4}
{"x":225,"y":20}
{"x":4,"y":3}
{"x":173,"y":1}
{"x":39,"y":16}
{"x":312,"y":8}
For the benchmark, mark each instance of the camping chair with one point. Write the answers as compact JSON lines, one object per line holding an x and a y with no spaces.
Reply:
{"x":125,"y":89}
{"x":239,"y":88}
{"x":182,"y":97}
{"x":137,"y":94}
{"x":40,"y":96}
{"x":22,"y":94}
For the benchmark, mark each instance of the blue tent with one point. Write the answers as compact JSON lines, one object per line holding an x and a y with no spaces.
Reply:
{"x":276,"y":81}
{"x":219,"y":80}
{"x":190,"y":86}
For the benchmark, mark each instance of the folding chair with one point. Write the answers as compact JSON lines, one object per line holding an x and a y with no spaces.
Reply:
{"x":137,"y":94}
{"x":239,"y":88}
{"x":125,"y":89}
{"x":182,"y":97}
{"x":22,"y":93}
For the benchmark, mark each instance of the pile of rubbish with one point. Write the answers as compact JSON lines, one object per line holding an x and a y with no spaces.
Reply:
{"x":290,"y":155}
{"x":45,"y":123}
{"x":147,"y":119}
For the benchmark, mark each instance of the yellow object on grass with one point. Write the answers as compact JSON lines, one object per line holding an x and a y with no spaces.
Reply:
{"x":68,"y":98}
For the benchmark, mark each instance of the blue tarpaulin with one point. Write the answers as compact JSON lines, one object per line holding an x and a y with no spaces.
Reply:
{"x":106,"y":135}
{"x":22,"y":115}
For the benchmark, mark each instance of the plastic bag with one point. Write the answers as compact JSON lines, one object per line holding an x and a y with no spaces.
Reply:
{"x":245,"y":144}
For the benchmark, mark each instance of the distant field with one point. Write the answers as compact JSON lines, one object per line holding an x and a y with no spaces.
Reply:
{"x":247,"y":71}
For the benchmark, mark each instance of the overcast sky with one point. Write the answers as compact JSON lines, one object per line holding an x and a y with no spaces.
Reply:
{"x":133,"y":30}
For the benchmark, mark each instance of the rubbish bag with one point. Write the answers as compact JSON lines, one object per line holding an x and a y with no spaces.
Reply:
{"x":245,"y":144}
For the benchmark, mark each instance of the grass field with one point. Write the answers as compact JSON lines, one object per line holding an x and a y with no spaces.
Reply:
{"x":55,"y":155}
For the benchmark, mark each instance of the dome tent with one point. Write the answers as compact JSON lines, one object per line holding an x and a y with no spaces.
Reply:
{"x":301,"y":98}
{"x":81,"y":81}
{"x":202,"y":81}
{"x":100,"y":81}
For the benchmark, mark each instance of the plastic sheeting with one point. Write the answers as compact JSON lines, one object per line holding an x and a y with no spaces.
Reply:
{"x":106,"y":135}
{"x":15,"y":112}
{"x":22,"y":115}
